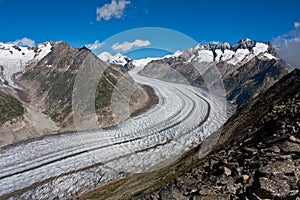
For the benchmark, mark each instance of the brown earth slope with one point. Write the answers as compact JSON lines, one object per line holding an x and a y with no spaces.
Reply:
{"x":48,"y":87}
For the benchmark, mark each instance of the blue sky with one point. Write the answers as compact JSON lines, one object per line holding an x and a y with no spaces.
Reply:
{"x":76,"y":21}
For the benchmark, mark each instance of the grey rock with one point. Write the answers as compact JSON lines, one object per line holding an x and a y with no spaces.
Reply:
{"x":290,"y":147}
{"x":279,"y":167}
{"x":275,"y":186}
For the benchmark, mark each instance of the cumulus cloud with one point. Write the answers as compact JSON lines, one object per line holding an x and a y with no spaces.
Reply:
{"x":24,"y":42}
{"x":114,"y":9}
{"x":97,"y":44}
{"x":288,"y":46}
{"x":297,"y":24}
{"x":125,"y":46}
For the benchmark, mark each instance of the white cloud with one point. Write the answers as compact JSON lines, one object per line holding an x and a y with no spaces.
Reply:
{"x":95,"y":45}
{"x":297,"y":24}
{"x":125,"y":46}
{"x":114,"y":9}
{"x":24,"y":42}
{"x":289,"y":47}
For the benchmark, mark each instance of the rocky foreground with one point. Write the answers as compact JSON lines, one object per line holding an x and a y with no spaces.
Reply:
{"x":261,"y":159}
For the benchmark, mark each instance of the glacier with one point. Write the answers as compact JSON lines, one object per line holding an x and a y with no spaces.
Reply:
{"x":64,"y":165}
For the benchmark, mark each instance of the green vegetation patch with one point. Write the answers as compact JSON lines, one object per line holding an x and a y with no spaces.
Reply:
{"x":9,"y":107}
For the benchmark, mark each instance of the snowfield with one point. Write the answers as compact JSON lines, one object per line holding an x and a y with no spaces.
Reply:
{"x":235,"y":57}
{"x":13,"y":59}
{"x":63,"y":165}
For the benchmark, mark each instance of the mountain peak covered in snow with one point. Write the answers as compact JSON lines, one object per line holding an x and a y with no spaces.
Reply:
{"x":235,"y":54}
{"x":13,"y":59}
{"x":117,"y":59}
{"x":125,"y":61}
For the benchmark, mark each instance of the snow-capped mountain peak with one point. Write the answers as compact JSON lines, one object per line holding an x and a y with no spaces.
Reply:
{"x":41,"y":50}
{"x":118,"y":58}
{"x":176,"y":54}
{"x":236,"y":54}
{"x":124,"y":60}
{"x":13,"y":59}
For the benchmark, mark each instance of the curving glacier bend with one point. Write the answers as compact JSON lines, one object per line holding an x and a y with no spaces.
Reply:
{"x":63,"y":165}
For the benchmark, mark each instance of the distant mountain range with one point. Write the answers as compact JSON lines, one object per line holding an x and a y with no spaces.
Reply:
{"x":129,"y":63}
{"x":246,"y":68}
{"x":117,"y":59}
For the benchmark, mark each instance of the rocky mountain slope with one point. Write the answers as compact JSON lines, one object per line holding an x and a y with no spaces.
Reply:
{"x":55,"y":75}
{"x":256,"y":157}
{"x":44,"y":86}
{"x":246,"y":68}
{"x":17,"y":126}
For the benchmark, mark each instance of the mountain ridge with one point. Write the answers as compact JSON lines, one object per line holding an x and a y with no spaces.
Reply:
{"x":232,"y":62}
{"x":44,"y":86}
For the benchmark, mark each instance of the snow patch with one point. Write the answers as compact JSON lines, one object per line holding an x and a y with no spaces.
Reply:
{"x":143,"y":62}
{"x":270,"y":56}
{"x":205,"y":56}
{"x":191,"y":58}
{"x":228,"y":54}
{"x":219,"y":54}
{"x":250,"y":57}
{"x":44,"y":49}
{"x":239,"y":55}
{"x":176,"y":54}
{"x":260,"y":48}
